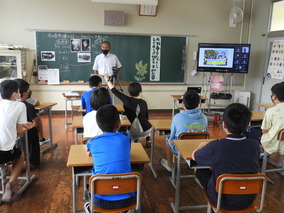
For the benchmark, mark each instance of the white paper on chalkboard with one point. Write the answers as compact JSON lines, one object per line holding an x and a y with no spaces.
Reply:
{"x":42,"y":73}
{"x":53,"y":76}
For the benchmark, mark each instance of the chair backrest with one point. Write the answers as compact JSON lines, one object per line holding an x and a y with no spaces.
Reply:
{"x":280,"y":138}
{"x":241,"y":184}
{"x":280,"y":135}
{"x":196,"y":89}
{"x":116,"y":184}
{"x":193,"y":135}
{"x":85,"y":140}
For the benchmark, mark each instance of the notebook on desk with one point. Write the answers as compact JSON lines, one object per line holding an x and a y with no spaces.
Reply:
{"x":72,"y":94}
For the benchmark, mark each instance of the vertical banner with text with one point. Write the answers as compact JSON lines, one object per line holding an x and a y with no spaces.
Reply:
{"x":155,"y":58}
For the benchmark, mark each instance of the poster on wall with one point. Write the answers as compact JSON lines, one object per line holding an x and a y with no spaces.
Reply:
{"x":276,"y":61}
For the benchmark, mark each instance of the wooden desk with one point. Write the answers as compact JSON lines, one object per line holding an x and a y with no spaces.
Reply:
{"x":28,"y":178}
{"x":162,"y":127}
{"x":77,"y":123}
{"x":179,"y":99}
{"x":265,"y":105}
{"x":78,"y":157}
{"x":119,"y":108}
{"x":71,"y":98}
{"x":185,"y":148}
{"x":257,"y":115}
{"x":47,"y":106}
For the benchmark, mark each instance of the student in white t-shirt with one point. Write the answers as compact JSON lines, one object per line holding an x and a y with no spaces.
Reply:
{"x":99,"y":98}
{"x":13,"y":119}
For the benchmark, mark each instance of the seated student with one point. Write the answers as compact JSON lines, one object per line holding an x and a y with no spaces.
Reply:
{"x":234,"y":154}
{"x":191,"y":119}
{"x":33,"y":133}
{"x":99,"y":98}
{"x":111,"y":155}
{"x":33,"y":101}
{"x":95,"y":82}
{"x":135,"y":107}
{"x":13,"y":119}
{"x":273,"y":120}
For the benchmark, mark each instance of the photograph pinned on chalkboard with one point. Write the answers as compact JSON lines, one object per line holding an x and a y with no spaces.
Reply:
{"x":86,"y":45}
{"x":47,"y":55}
{"x":84,"y":57}
{"x":75,"y":45}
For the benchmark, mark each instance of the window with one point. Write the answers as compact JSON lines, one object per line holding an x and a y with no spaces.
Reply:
{"x":277,"y":16}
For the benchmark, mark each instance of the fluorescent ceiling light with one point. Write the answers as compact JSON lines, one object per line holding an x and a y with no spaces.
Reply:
{"x":145,"y":2}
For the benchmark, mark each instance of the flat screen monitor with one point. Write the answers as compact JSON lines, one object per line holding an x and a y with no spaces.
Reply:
{"x":223,"y":58}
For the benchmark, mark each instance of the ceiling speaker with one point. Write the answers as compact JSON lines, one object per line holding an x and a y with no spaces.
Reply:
{"x":114,"y":18}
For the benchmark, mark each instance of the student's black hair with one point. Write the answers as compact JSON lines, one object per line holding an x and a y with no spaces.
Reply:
{"x":7,"y":88}
{"x":237,"y":118}
{"x":134,"y":89}
{"x":107,"y":117}
{"x":106,"y":43}
{"x":99,"y":98}
{"x":94,"y":80}
{"x":191,"y":99}
{"x":23,"y":85}
{"x":278,"y":91}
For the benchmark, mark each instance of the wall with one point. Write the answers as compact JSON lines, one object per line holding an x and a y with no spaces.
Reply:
{"x":258,"y":40}
{"x":202,"y":21}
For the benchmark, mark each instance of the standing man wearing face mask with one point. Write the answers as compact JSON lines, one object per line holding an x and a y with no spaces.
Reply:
{"x":106,"y":63}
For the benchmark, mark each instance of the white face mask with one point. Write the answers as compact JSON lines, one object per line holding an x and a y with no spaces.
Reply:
{"x":18,"y":98}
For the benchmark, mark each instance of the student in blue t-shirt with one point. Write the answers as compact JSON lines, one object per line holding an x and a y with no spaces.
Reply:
{"x":111,"y":155}
{"x":190,"y":119}
{"x":95,"y":82}
{"x":234,"y":154}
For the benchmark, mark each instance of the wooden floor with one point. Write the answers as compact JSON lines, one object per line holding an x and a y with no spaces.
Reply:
{"x":51,"y":191}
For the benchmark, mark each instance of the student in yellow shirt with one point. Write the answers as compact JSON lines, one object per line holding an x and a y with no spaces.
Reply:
{"x":273,"y":120}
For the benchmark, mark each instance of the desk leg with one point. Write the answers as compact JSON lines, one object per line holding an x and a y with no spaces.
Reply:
{"x":28,"y":178}
{"x":66,"y":123}
{"x":76,"y":136}
{"x":51,"y":145}
{"x":74,"y":191}
{"x":152,"y":163}
{"x":174,"y":107}
{"x":175,"y":206}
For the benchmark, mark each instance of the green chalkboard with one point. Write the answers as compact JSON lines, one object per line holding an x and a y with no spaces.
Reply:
{"x":143,"y":58}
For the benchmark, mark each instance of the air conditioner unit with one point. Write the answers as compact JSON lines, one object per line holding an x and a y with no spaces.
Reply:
{"x":144,"y":2}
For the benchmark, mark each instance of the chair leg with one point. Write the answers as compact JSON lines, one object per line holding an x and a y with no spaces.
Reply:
{"x":77,"y":181}
{"x":264,"y":165}
{"x":264,"y":162}
{"x":85,"y":188}
{"x":173,"y":178}
{"x":3,"y":177}
{"x":208,"y":208}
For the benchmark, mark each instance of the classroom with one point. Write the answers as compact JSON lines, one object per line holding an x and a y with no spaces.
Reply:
{"x":204,"y":21}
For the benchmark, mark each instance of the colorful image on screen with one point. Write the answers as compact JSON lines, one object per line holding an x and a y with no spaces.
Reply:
{"x":216,"y":57}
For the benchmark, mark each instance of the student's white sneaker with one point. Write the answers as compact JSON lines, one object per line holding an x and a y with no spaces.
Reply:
{"x":43,"y":141}
{"x":165,"y":164}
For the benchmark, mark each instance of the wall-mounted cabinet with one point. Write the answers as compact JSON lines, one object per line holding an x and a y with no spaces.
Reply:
{"x":12,"y":64}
